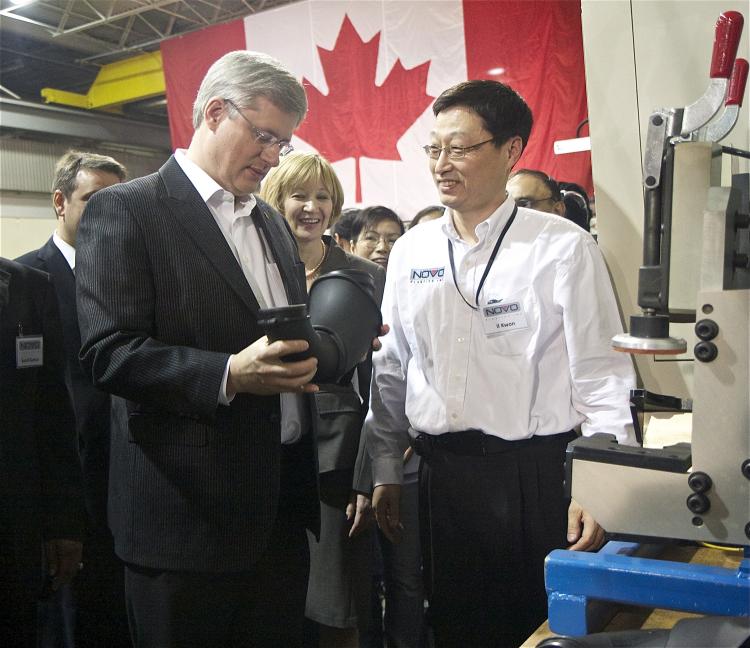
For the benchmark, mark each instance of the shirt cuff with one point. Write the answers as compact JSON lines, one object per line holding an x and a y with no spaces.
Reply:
{"x":224,"y":398}
{"x":387,"y":470}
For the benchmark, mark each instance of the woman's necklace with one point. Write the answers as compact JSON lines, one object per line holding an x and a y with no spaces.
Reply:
{"x":309,"y":274}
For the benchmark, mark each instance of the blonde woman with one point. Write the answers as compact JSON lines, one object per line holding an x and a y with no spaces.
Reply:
{"x":305,"y":190}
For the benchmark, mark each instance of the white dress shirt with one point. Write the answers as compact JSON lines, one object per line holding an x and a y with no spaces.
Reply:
{"x":546,"y":365}
{"x":66,"y":249}
{"x":233,"y":216}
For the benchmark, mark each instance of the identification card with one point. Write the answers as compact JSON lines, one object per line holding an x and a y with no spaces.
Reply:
{"x":29,"y":351}
{"x":500,"y":317}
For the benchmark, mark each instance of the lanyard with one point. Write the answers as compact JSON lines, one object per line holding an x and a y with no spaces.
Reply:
{"x":489,"y":263}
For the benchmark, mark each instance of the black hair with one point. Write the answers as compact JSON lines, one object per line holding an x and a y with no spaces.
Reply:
{"x":369,"y":217}
{"x":425,"y":212}
{"x":343,"y":226}
{"x":548,"y":181}
{"x":504,"y":112}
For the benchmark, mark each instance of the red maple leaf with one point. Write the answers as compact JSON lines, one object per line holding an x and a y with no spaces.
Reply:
{"x":357,"y":118}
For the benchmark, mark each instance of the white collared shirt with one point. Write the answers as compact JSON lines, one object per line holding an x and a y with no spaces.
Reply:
{"x":66,"y":249}
{"x":548,"y":369}
{"x":254,"y":257}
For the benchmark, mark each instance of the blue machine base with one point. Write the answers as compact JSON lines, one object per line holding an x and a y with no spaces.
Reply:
{"x":576,"y":579}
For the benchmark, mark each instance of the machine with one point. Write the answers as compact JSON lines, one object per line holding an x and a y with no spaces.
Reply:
{"x":695,"y":269}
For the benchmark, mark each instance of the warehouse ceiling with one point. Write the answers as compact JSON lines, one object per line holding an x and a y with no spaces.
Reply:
{"x":62,"y":44}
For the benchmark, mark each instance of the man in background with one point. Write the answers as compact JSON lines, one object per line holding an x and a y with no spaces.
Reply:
{"x":537,"y":190}
{"x":41,"y":502}
{"x":99,"y":601}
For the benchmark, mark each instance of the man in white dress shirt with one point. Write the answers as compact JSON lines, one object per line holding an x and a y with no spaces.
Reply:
{"x":500,"y":321}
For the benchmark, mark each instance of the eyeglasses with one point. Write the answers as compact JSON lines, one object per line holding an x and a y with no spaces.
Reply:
{"x":453,"y":152}
{"x":266,"y":140}
{"x":528,"y":202}
{"x":371,"y":239}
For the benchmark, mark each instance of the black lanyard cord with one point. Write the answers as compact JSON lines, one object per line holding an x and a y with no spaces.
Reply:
{"x":491,"y":260}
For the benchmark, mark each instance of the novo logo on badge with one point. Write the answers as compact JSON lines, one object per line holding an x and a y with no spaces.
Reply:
{"x":501,"y":309}
{"x":421,"y":275}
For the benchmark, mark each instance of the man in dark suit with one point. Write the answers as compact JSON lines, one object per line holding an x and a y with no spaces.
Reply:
{"x":41,"y":502}
{"x":99,"y":591}
{"x":212,"y":478}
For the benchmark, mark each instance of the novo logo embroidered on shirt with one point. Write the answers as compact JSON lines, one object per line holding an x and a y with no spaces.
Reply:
{"x":496,"y":308}
{"x":427,"y":275}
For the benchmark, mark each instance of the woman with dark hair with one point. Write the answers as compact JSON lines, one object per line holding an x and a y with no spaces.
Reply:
{"x":374,"y":232}
{"x":305,"y":189}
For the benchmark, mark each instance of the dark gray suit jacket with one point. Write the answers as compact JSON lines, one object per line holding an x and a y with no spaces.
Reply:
{"x":40,"y":487}
{"x":338,"y":413}
{"x":162,"y":303}
{"x":91,"y":406}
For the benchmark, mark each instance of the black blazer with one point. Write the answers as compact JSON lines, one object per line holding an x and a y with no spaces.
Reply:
{"x":162,"y":303}
{"x":90,"y":405}
{"x":343,"y":460}
{"x":40,"y":487}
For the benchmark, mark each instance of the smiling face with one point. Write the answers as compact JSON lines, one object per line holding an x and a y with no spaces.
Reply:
{"x":308,"y":208}
{"x":225,"y":146}
{"x":474,"y":185}
{"x":376,"y":242}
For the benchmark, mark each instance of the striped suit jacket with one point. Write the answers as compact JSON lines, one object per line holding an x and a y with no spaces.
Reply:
{"x":162,"y":303}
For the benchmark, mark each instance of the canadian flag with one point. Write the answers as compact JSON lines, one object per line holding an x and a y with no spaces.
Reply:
{"x":372,"y":70}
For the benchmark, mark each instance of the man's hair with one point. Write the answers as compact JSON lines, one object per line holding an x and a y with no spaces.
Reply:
{"x":68,"y":166}
{"x":548,"y":181}
{"x":296,"y":170}
{"x":503,"y":111}
{"x":343,"y":227}
{"x":242,"y":76}
{"x":426,"y":211}
{"x":369,"y":218}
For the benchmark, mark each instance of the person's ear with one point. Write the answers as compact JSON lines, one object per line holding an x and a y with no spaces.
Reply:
{"x":514,"y":151}
{"x":559,"y":208}
{"x":214,"y":112}
{"x":58,"y":202}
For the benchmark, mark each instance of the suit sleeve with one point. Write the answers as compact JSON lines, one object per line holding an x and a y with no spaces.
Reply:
{"x":116,"y":298}
{"x":54,"y":429}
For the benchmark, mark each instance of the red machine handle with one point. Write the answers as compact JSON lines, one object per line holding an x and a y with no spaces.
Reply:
{"x":727,"y":39}
{"x":737,"y":82}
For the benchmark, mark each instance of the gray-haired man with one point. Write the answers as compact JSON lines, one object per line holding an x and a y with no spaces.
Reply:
{"x":212,"y":474}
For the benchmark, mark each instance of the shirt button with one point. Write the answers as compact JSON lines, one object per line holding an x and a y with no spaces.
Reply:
{"x":454,"y":416}
{"x":460,"y":340}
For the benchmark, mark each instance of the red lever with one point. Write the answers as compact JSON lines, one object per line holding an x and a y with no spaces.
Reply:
{"x":737,"y":82}
{"x":727,"y":40}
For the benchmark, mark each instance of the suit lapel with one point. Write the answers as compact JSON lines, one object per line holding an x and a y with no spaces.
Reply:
{"x":191,"y":212}
{"x":64,"y":282}
{"x":284,"y":251}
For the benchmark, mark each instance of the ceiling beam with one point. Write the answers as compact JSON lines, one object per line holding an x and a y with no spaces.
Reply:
{"x":55,"y":121}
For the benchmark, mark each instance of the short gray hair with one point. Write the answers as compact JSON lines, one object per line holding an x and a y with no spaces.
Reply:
{"x":242,"y":76}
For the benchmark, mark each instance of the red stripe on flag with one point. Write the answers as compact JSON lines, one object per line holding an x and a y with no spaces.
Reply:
{"x":186,"y":60}
{"x":539,"y":45}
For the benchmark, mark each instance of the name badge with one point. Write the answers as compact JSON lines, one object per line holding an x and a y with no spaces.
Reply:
{"x":29,"y":351}
{"x":500,"y":317}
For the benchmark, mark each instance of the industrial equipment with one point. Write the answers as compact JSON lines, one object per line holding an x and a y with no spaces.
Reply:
{"x":695,"y":269}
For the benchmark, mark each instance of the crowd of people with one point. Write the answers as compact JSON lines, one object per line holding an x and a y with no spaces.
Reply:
{"x":192,"y":485}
